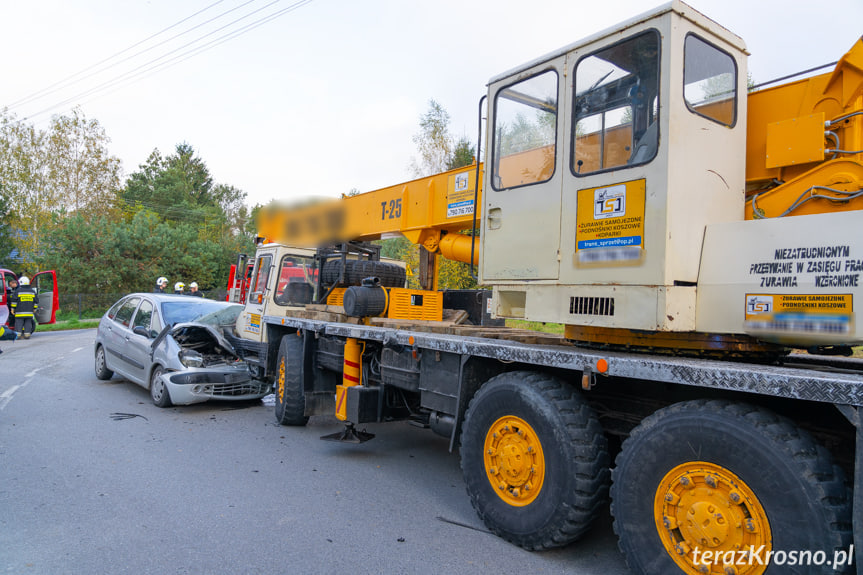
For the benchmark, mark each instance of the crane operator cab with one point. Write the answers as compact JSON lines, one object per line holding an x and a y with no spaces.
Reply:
{"x":608,"y":158}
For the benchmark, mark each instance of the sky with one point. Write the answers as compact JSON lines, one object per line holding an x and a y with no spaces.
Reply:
{"x":286,"y":99}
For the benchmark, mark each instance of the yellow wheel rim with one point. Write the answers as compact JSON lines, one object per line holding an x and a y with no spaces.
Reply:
{"x":702,"y":507}
{"x":281,"y":382}
{"x":514,"y":462}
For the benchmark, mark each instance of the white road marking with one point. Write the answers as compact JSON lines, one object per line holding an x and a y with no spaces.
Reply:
{"x":6,"y":396}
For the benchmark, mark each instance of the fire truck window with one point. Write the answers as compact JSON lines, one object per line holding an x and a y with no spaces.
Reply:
{"x":616,"y":106}
{"x":525,"y":128}
{"x":709,"y":81}
{"x":297,"y":276}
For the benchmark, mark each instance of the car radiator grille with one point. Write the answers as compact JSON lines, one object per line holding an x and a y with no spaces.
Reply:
{"x":246,"y":388}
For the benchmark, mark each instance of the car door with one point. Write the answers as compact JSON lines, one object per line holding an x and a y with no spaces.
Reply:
{"x":5,"y":277}
{"x":250,"y":325}
{"x":45,"y":286}
{"x":138,"y":341}
{"x":118,"y":335}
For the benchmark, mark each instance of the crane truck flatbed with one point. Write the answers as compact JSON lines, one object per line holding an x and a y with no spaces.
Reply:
{"x":691,"y":236}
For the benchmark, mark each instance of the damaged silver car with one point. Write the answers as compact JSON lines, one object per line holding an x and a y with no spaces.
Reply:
{"x":174,"y":345}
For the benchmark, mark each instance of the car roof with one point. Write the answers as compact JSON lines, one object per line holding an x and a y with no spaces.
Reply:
{"x":161,"y":298}
{"x":172,"y":297}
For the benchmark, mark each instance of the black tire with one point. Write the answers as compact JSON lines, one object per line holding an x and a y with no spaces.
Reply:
{"x":290,"y":396}
{"x":391,"y":275}
{"x":574,"y":450}
{"x":158,"y":392}
{"x":803,"y":494}
{"x":102,"y":371}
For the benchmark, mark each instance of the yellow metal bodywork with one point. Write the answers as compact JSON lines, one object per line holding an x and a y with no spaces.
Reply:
{"x":703,"y":507}
{"x":403,"y":303}
{"x":415,"y":304}
{"x":424,"y":211}
{"x":795,"y":141}
{"x":514,"y":461}
{"x":793,"y":132}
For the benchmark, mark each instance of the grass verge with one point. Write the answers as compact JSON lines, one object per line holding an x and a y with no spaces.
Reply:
{"x":70,"y":324}
{"x":556,"y":328}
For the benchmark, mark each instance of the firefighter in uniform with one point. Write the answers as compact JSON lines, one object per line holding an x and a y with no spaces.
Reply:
{"x":161,"y":284}
{"x":193,"y":290}
{"x":24,"y":303}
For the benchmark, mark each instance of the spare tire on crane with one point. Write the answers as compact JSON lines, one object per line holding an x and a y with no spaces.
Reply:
{"x":390,"y":274}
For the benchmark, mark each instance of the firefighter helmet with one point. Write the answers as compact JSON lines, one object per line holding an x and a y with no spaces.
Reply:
{"x":24,"y":281}
{"x":162,"y":281}
{"x":179,"y":286}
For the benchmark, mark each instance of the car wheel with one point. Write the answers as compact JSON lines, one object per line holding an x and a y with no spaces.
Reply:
{"x":158,"y":391}
{"x":102,"y":371}
{"x":534,"y":459}
{"x":290,"y":397}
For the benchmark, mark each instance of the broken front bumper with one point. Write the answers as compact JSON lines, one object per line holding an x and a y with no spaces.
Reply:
{"x":198,"y":385}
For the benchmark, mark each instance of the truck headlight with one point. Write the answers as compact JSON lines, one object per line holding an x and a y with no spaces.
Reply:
{"x":191,"y":358}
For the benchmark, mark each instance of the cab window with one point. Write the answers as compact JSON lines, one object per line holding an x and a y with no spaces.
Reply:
{"x":525,"y":131}
{"x":260,"y":278}
{"x":616,"y":112}
{"x":124,"y":314}
{"x":709,"y":81}
{"x":297,"y":277}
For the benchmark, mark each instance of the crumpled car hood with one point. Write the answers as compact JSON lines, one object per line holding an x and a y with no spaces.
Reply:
{"x":206,"y":339}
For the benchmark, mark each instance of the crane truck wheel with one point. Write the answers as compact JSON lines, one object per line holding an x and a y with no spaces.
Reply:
{"x":290,"y":397}
{"x":535,"y":460}
{"x":391,"y":275}
{"x":700,"y":484}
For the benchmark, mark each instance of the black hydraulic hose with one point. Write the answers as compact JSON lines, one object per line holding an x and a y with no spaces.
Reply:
{"x":476,"y":188}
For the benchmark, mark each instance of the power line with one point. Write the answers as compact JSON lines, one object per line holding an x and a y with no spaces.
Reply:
{"x":48,"y":90}
{"x":163,"y":61}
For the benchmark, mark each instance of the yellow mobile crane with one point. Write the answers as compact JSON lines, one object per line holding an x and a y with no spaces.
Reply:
{"x":687,"y":233}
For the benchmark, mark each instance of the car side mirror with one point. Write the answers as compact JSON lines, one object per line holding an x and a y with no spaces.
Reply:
{"x":141,"y":330}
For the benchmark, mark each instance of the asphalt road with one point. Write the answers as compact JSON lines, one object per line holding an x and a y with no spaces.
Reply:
{"x":95,"y":479}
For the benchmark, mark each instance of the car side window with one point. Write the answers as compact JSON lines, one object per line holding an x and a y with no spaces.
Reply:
{"x":114,"y":308}
{"x":155,"y":322}
{"x":124,"y":314}
{"x":144,"y":316}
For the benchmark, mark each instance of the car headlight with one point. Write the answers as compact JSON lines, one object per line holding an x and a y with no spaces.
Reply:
{"x":191,"y":358}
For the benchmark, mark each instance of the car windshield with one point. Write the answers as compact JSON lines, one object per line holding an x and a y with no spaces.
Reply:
{"x":202,"y":311}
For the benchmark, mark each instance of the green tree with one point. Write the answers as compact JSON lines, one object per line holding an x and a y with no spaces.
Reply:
{"x":463,"y":154}
{"x":438,"y":153}
{"x":201,"y":224}
{"x":85,"y":175}
{"x":102,"y":255}
{"x":46,"y":174}
{"x":6,"y":242}
{"x":433,"y":142}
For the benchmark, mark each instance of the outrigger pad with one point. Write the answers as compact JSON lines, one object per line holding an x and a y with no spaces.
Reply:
{"x":349,"y":435}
